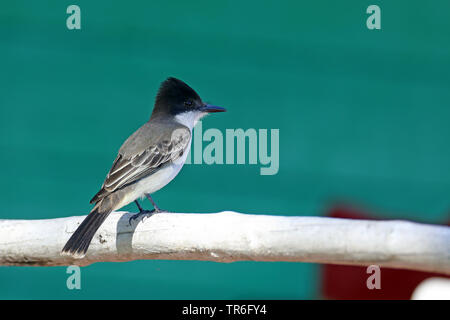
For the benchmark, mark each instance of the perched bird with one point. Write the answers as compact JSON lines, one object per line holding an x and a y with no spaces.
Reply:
{"x":148,"y":160}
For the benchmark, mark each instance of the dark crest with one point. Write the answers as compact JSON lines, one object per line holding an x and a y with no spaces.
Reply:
{"x":175,"y":95}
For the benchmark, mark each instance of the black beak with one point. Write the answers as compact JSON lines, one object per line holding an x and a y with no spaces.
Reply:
{"x":210,"y":108}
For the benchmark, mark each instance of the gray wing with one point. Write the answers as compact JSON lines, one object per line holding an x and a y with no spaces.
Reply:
{"x":128,"y":169}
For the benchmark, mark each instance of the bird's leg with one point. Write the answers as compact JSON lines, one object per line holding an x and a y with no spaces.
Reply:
{"x":141,"y":212}
{"x":157,"y":209}
{"x":139,"y":206}
{"x":146,"y":212}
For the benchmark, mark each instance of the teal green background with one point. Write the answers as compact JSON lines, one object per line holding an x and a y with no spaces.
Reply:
{"x":363,"y":118}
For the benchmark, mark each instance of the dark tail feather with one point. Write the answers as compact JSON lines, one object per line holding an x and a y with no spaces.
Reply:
{"x":78,"y":243}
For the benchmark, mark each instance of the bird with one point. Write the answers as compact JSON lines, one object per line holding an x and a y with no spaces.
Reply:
{"x":147,"y":161}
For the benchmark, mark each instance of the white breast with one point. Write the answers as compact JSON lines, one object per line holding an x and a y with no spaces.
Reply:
{"x":157,"y":180}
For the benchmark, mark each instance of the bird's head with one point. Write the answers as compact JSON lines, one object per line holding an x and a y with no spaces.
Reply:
{"x":176,"y":98}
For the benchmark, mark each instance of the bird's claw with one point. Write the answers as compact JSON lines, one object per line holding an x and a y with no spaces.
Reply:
{"x":144,"y":213}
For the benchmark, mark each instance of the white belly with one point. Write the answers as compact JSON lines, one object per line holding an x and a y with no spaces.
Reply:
{"x":156,"y":181}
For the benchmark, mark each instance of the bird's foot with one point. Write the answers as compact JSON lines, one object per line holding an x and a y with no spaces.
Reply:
{"x":144,"y":213}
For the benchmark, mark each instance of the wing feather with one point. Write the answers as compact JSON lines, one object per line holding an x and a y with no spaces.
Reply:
{"x":127,"y":170}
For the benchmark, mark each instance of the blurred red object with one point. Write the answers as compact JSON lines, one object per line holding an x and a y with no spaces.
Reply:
{"x":349,"y":282}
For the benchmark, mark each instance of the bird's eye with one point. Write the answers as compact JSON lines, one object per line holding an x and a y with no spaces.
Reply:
{"x":188,"y":103}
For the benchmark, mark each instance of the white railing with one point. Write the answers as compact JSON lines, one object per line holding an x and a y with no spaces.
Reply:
{"x":230,"y":236}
